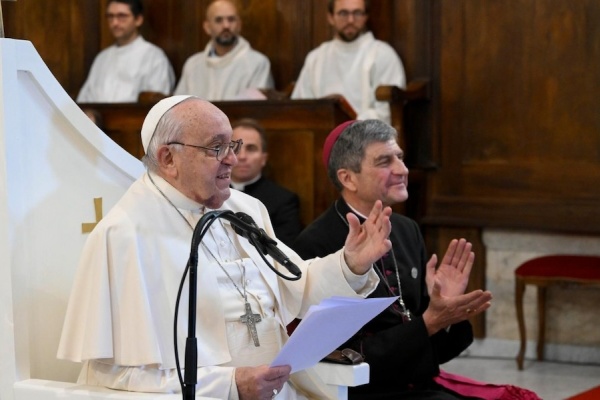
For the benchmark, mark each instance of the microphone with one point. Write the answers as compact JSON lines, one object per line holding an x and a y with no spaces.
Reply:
{"x":259,"y":239}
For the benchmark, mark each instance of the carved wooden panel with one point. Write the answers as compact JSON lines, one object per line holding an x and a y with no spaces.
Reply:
{"x":519,"y":142}
{"x":57,"y":29}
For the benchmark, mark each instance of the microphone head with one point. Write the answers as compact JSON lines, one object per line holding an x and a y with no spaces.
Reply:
{"x":245,"y":226}
{"x":245,"y":218}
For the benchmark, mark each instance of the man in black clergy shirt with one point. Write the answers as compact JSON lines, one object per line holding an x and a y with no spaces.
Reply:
{"x":283,"y":205}
{"x":428,"y":325}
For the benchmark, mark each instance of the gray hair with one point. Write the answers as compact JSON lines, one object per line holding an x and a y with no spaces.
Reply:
{"x":168,"y":129}
{"x":348,"y":151}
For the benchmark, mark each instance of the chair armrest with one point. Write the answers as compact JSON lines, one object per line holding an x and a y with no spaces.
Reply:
{"x":150,"y":97}
{"x":341,"y":377}
{"x":417,"y":89}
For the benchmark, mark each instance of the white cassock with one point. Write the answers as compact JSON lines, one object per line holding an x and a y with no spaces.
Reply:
{"x":120,"y":314}
{"x":227,"y":77}
{"x":353,"y":70}
{"x":120,"y":73}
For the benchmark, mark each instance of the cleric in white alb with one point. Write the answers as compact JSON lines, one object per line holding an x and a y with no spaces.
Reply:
{"x":131,"y":65}
{"x":228,"y":68}
{"x":353,"y":64}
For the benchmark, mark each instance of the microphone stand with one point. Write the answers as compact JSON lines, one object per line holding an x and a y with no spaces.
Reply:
{"x":190,"y":379}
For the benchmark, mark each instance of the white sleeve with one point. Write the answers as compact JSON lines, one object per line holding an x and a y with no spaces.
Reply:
{"x":182,"y":86}
{"x":387,"y":70}
{"x":261,"y":76}
{"x":216,"y":382}
{"x":86,"y":93}
{"x":303,"y":86}
{"x":363,"y":285}
{"x":159,"y":74}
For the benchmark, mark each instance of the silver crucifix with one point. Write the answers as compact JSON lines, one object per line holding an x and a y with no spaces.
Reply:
{"x":250,"y":320}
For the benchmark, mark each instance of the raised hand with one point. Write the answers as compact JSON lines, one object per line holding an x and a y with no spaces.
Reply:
{"x":368,"y":242}
{"x":454,"y":271}
{"x":446,"y":285}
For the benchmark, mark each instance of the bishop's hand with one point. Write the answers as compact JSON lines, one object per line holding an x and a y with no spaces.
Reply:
{"x":446,"y":285}
{"x":444,"y":311}
{"x":454,"y":271}
{"x":369,"y":241}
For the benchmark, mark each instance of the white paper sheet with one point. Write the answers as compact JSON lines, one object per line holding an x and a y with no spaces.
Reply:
{"x":325,"y":327}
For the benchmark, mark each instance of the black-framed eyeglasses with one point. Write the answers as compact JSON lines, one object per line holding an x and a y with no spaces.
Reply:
{"x":221,"y":150}
{"x":356,"y":14}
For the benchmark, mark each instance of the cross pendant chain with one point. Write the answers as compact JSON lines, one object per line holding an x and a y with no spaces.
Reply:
{"x":405,"y":316}
{"x":250,"y":320}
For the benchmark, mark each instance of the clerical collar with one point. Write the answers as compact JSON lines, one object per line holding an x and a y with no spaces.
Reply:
{"x":178,"y":199}
{"x":242,"y":185}
{"x":354,"y":210}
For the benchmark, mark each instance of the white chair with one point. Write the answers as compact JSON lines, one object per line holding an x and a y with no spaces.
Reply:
{"x":54,"y":166}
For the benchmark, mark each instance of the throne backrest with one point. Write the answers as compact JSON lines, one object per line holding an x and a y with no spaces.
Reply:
{"x":58,"y":173}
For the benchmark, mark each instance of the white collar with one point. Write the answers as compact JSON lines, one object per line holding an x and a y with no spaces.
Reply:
{"x":242,"y":185}
{"x":178,"y":199}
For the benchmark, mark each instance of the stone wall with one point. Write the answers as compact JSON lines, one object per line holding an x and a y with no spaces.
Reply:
{"x":572,"y":314}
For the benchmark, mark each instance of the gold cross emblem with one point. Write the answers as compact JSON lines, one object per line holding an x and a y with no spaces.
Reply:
{"x":87,"y":227}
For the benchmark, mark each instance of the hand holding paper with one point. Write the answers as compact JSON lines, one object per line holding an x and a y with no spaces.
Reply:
{"x":325,"y":327}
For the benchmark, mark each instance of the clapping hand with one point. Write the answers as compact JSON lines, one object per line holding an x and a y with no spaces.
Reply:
{"x":453,"y":273}
{"x":446,"y":285}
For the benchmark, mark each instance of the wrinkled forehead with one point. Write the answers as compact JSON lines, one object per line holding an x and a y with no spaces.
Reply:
{"x":202,"y":121}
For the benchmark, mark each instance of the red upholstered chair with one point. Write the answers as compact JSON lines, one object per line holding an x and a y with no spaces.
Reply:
{"x":543,"y":272}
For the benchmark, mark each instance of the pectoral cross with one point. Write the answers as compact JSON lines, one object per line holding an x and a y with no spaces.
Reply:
{"x":2,"y":21}
{"x":250,"y":320}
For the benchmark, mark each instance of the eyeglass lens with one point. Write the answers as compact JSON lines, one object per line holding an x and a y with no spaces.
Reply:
{"x":223,"y":150}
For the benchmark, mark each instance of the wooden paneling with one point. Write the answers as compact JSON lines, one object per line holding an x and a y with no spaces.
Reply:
{"x":520,"y":126}
{"x":512,"y":127}
{"x":56,"y":30}
{"x":511,"y":137}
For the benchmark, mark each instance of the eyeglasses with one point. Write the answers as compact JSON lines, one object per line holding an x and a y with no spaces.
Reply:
{"x":221,"y":150}
{"x":118,"y":16}
{"x":356,"y":14}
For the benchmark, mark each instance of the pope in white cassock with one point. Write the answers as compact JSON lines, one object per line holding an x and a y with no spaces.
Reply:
{"x":353,"y":64}
{"x":228,"y":68}
{"x":121,"y":310}
{"x":130,"y":66}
